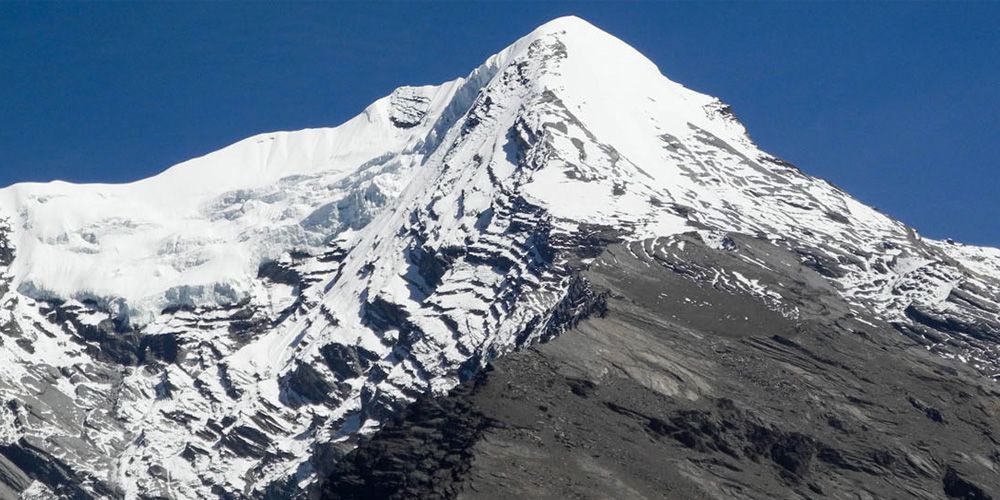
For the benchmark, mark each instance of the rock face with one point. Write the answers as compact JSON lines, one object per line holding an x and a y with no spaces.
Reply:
{"x":682,"y":388}
{"x":706,"y":319}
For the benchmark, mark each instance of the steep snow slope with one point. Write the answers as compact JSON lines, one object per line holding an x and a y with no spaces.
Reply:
{"x":195,"y":234}
{"x":233,"y":325}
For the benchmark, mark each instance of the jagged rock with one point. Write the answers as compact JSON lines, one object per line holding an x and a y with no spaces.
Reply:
{"x":646,"y":401}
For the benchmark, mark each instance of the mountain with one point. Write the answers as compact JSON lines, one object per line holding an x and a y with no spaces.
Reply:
{"x":561,"y":275}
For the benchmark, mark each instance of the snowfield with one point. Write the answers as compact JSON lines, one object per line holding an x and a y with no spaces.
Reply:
{"x":196,"y":234}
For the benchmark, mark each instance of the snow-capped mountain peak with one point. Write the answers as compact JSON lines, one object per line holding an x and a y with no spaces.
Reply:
{"x":234,"y":322}
{"x":195,"y":234}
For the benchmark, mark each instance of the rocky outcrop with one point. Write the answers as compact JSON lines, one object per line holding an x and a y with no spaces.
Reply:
{"x":424,"y":452}
{"x":652,"y":400}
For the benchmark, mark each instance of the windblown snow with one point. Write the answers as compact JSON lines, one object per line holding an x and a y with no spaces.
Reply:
{"x":232,"y":323}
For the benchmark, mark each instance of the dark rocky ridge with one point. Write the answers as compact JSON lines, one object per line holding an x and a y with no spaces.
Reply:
{"x":659,"y":398}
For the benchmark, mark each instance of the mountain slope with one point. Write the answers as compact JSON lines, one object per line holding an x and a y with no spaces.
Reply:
{"x":233,"y":326}
{"x":679,"y":388}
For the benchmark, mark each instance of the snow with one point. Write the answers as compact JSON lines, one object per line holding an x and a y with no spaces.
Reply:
{"x":566,"y":129}
{"x":195,"y":234}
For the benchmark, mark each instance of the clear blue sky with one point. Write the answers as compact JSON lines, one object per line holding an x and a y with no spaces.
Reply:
{"x":897,"y":103}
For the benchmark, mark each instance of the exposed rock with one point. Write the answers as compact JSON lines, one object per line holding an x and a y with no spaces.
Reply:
{"x":648,"y":401}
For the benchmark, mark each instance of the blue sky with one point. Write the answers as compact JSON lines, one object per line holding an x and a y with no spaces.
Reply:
{"x":897,"y":103}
